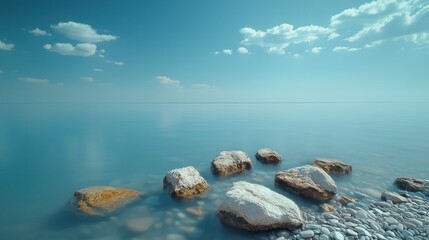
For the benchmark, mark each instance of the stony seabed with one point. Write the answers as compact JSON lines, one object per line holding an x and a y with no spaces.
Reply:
{"x":401,"y":215}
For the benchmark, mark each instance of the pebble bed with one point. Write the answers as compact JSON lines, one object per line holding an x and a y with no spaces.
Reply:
{"x":365,"y":220}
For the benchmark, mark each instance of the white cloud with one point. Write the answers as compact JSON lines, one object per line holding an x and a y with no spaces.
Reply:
{"x":33,"y":80}
{"x":316,"y":49}
{"x":101,"y":55}
{"x":168,"y":81}
{"x":296,"y":55}
{"x":333,"y":36}
{"x":346,"y":49}
{"x":202,"y":86}
{"x":82,"y":32}
{"x":227,"y":51}
{"x":383,"y":20}
{"x":6,"y":46}
{"x":39,"y":32}
{"x":242,"y":50}
{"x":119,"y":63}
{"x":81,"y":49}
{"x":276,"y":39}
{"x":217,"y":53}
{"x":89,"y":79}
{"x":98,"y":70}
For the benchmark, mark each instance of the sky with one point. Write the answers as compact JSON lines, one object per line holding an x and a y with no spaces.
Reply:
{"x":214,"y":51}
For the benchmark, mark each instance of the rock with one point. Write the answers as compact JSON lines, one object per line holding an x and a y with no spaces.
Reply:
{"x":197,"y":211}
{"x":326,"y":207}
{"x":307,"y":181}
{"x":139,"y":225}
{"x":332,"y":166}
{"x":254,"y":207}
{"x":412,"y":184}
{"x":307,"y":234}
{"x":266,"y":155}
{"x":230,"y":162}
{"x":394,"y":197}
{"x":173,"y":236}
{"x":100,"y":200}
{"x":345,"y":200}
{"x":361,"y":214}
{"x":338,"y":236}
{"x":185,"y":183}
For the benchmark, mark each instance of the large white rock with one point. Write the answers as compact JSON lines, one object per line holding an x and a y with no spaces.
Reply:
{"x":185,"y":182}
{"x":307,"y":181}
{"x":254,"y":207}
{"x":394,"y":197}
{"x":230,"y":162}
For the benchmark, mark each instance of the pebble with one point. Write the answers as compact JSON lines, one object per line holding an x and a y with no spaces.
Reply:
{"x":307,"y":234}
{"x":361,"y":214}
{"x":351,"y":232}
{"x":338,"y":236}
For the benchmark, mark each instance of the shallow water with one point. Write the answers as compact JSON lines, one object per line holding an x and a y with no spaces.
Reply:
{"x":47,"y":151}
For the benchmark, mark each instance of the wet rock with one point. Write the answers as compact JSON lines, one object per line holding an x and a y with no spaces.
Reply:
{"x":139,"y":225}
{"x":185,"y":183}
{"x":266,"y":155}
{"x":307,"y":181}
{"x":307,"y":234}
{"x":230,"y":162}
{"x":412,"y":184}
{"x":254,"y":207}
{"x":332,"y":166}
{"x":101,"y":200}
{"x":326,"y":207}
{"x":394,"y":197}
{"x":345,"y":200}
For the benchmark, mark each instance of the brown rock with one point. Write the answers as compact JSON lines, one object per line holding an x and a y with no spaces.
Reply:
{"x":412,"y":184}
{"x":231,"y":162}
{"x":100,"y":200}
{"x":326,"y":207}
{"x":185,"y":183}
{"x":307,"y":181}
{"x":345,"y":200}
{"x":266,"y":155}
{"x":197,"y":211}
{"x":332,"y":166}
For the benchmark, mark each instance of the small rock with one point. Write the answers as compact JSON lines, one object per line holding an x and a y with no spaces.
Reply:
{"x":345,"y":200}
{"x":338,"y":236}
{"x":332,"y":166}
{"x":266,"y":155}
{"x":361,"y":214}
{"x":394,"y":197}
{"x":326,"y":207}
{"x":197,"y":211}
{"x":412,"y":184}
{"x":230,"y":162}
{"x":185,"y":183}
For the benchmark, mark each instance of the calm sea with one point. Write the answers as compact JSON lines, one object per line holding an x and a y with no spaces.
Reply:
{"x":47,"y":151}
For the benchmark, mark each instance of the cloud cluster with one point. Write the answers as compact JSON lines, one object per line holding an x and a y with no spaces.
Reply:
{"x":81,"y":32}
{"x":168,"y":81}
{"x":80,"y":49}
{"x":39,"y":32}
{"x":33,"y":80}
{"x":6,"y":46}
{"x":276,"y":39}
{"x":352,"y":29}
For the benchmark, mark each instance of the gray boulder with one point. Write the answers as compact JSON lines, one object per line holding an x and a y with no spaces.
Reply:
{"x":231,"y":162}
{"x":266,"y":155}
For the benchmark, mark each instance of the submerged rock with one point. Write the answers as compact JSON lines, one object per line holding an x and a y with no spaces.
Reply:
{"x":139,"y":225}
{"x":185,"y":183}
{"x":230,"y":162}
{"x":332,"y":166}
{"x":100,"y":200}
{"x":394,"y":197}
{"x":412,"y":184}
{"x":266,"y":155}
{"x":254,"y":207}
{"x":307,"y":181}
{"x":345,"y":200}
{"x":197,"y":211}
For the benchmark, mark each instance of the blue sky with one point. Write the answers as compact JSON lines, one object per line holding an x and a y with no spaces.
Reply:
{"x":226,"y":50}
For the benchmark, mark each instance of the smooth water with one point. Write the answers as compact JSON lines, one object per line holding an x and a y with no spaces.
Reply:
{"x":47,"y":151}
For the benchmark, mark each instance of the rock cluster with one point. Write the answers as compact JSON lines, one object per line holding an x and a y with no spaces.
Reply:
{"x":254,"y":207}
{"x":307,"y":181}
{"x":185,"y":183}
{"x":231,"y":162}
{"x":100,"y":200}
